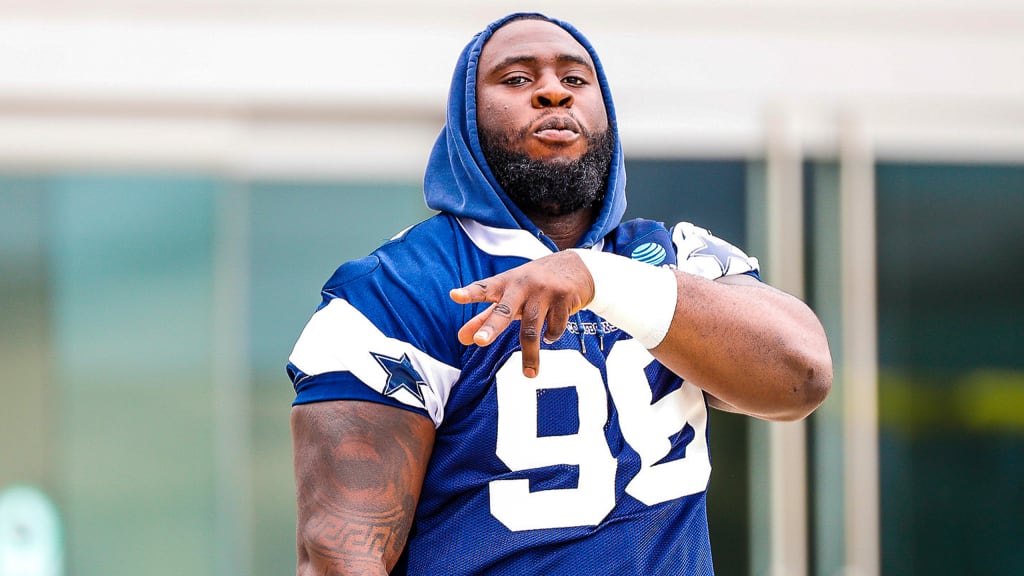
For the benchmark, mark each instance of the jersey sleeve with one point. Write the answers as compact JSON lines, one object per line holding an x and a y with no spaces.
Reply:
{"x":700,"y":252}
{"x":378,"y":336}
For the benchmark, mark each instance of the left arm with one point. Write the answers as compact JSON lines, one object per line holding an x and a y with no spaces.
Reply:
{"x":750,"y":347}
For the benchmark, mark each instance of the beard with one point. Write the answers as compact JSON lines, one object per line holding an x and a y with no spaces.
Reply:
{"x":553,"y":188}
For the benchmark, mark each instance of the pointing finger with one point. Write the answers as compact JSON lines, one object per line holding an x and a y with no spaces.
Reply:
{"x":530,"y":326}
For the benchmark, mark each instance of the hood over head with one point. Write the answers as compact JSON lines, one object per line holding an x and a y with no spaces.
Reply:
{"x":458,"y":179}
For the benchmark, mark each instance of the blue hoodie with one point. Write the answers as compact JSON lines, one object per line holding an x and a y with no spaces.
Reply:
{"x":458,"y":179}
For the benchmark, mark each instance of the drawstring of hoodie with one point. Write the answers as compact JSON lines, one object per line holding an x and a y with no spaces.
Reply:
{"x":581,"y":333}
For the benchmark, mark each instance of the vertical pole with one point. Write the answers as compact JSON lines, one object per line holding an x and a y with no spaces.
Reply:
{"x":758,"y":435}
{"x":785,"y":252}
{"x":860,"y":354}
{"x":829,"y":423}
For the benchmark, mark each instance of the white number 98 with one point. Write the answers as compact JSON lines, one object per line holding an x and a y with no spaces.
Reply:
{"x":647,"y":428}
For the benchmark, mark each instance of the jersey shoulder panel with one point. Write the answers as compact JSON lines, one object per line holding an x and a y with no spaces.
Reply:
{"x":386,"y":324}
{"x":702,"y":253}
{"x":647,"y":241}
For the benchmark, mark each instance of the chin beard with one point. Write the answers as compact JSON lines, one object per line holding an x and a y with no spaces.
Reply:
{"x":553,"y":188}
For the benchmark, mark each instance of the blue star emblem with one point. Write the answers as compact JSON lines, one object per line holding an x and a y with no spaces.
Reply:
{"x":717,"y":250}
{"x":401,"y":375}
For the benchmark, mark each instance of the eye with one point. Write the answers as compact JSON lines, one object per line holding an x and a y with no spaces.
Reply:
{"x":515,"y":80}
{"x":575,"y":81}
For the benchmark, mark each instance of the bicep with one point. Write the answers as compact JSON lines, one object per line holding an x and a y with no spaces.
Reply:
{"x":769,"y":306}
{"x":359,"y":468}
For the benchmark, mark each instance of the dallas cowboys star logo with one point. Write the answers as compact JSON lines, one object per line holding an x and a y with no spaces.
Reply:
{"x":717,"y":250}
{"x":401,"y":375}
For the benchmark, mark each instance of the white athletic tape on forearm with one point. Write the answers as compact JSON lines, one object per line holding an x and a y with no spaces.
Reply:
{"x":638,"y":298}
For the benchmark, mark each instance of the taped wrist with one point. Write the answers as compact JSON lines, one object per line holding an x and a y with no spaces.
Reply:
{"x":638,"y":298}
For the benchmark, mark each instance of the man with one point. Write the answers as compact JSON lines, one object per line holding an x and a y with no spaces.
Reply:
{"x":519,"y":385}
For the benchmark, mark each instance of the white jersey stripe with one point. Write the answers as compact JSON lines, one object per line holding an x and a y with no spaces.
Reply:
{"x":339,"y":338}
{"x":507,"y":242}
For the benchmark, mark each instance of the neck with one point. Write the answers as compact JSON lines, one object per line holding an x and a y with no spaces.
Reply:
{"x":566,"y":230}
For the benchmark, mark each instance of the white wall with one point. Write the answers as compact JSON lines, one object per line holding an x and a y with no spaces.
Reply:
{"x":357,"y":88}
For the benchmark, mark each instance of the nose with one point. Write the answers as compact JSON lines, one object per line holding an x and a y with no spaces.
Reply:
{"x":550,"y":92}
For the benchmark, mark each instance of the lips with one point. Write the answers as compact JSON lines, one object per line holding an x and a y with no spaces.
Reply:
{"x":559,"y":123}
{"x":557,"y":130}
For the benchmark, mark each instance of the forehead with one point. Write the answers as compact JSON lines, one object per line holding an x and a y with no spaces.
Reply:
{"x":530,"y":39}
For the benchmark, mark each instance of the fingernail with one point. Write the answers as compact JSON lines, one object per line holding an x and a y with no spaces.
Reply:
{"x":530,"y":372}
{"x":481,"y":337}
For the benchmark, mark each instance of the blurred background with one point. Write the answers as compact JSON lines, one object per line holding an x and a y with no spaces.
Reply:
{"x":179,"y":178}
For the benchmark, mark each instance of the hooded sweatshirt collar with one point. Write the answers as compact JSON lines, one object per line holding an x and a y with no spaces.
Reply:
{"x":458,"y":179}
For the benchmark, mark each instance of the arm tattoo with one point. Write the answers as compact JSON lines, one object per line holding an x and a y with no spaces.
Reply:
{"x":357,"y":538}
{"x":359,"y":470}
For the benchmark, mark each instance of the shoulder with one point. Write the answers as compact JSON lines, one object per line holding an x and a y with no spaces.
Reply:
{"x":688,"y":247}
{"x":412,"y":262}
{"x":401,"y":288}
{"x":644,"y":240}
{"x":702,"y":253}
{"x":386,"y":330}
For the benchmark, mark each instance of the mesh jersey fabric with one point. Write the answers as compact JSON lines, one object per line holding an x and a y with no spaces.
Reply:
{"x":599,"y":465}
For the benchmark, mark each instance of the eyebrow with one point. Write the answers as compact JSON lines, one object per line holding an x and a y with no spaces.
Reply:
{"x":561,"y":59}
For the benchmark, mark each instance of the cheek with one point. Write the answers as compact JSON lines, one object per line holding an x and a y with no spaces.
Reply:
{"x":494,"y":115}
{"x":497,"y":120}
{"x":597,"y":117}
{"x":498,"y":113}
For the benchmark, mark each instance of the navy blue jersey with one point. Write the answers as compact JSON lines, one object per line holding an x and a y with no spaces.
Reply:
{"x":599,"y":465}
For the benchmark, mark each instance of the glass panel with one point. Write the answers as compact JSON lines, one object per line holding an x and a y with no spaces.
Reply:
{"x":952,"y":368}
{"x":132,"y":307}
